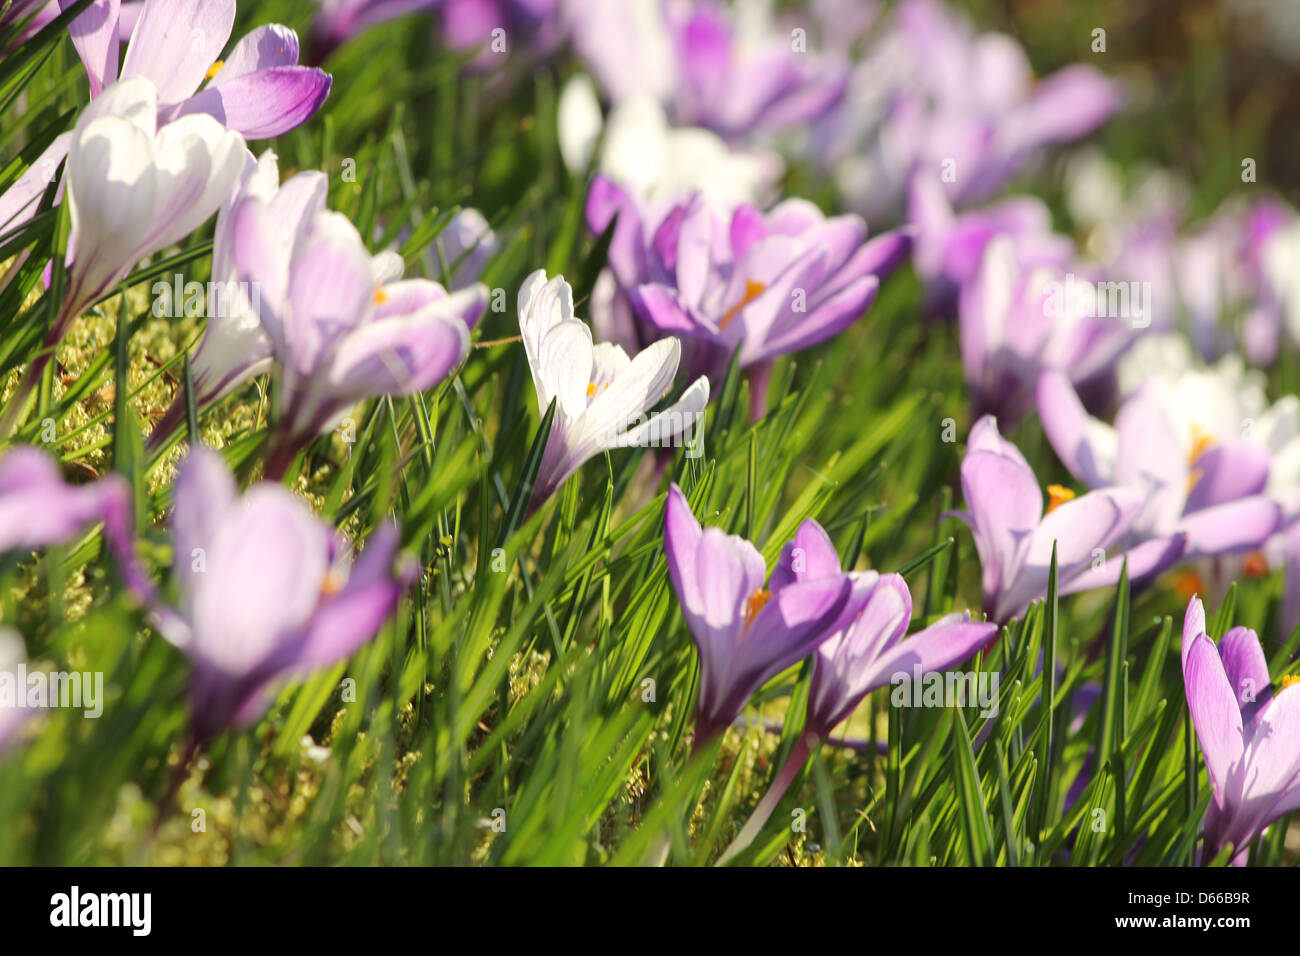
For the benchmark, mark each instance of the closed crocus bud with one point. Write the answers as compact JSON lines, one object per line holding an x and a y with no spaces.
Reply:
{"x":340,"y":329}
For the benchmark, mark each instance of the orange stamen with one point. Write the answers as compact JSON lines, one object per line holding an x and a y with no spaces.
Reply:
{"x":753,"y":604}
{"x":215,"y":68}
{"x":1058,"y":495}
{"x":1201,"y":440}
{"x":1188,"y":584}
{"x":380,"y":295}
{"x":1289,"y":679}
{"x":332,"y":584}
{"x":752,"y":291}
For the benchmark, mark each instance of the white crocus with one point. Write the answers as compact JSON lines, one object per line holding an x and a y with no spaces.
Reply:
{"x":601,"y":395}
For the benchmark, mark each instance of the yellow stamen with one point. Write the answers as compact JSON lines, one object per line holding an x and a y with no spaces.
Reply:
{"x":215,"y":68}
{"x":591,"y":389}
{"x":380,"y":295}
{"x":1057,"y":495}
{"x":753,"y":604}
{"x":752,"y":291}
{"x":332,"y":583}
{"x":1289,"y":679}
{"x":1201,"y":440}
{"x":1255,"y":565}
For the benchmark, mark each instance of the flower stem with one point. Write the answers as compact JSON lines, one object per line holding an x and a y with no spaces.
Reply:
{"x":785,"y":776}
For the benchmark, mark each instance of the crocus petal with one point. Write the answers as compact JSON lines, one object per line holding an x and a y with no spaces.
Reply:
{"x":934,"y":649}
{"x":204,"y":490}
{"x":1247,"y":670}
{"x":1214,"y":710}
{"x":1086,"y":446}
{"x":267,"y":46}
{"x":398,"y":356}
{"x":175,"y":43}
{"x":264,"y":103}
{"x":1237,"y":526}
{"x":94,"y":34}
{"x":1227,"y":471}
{"x":809,"y":554}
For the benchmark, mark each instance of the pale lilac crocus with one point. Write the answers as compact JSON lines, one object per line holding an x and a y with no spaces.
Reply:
{"x":1015,"y":322}
{"x":1014,"y":538}
{"x":466,"y":244}
{"x":602,"y":397}
{"x":1247,"y":732}
{"x":39,"y":509}
{"x":864,"y":651}
{"x":258,"y":90}
{"x":933,"y":95}
{"x":746,"y":631}
{"x":235,"y":348}
{"x":949,"y":246}
{"x":339,"y":332}
{"x":134,"y":188}
{"x":266,"y":591}
{"x":1201,"y":483}
{"x":766,"y":284}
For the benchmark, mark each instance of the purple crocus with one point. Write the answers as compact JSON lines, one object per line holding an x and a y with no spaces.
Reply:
{"x":39,"y":509}
{"x":932,"y":95}
{"x":1014,"y":538}
{"x":266,"y":591}
{"x":340,"y":20}
{"x":746,"y":631}
{"x":864,"y":650}
{"x":1013,"y":323}
{"x":1206,"y":487}
{"x":736,"y":75}
{"x":602,"y":397}
{"x":1247,"y":732}
{"x":949,"y":246}
{"x":339,"y":333}
{"x":764,"y":283}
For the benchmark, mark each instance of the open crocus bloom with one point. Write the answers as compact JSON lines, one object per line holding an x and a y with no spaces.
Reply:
{"x":38,"y":508}
{"x":265,"y":591}
{"x":1247,"y":734}
{"x":340,"y":332}
{"x":1014,"y":537}
{"x":602,"y":396}
{"x":1013,"y":323}
{"x":865,"y":647}
{"x":1204,"y":484}
{"x":767,"y":284}
{"x":746,"y":632}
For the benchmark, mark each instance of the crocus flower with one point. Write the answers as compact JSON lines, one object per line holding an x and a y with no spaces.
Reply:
{"x":1013,"y":323}
{"x":266,"y":591}
{"x":466,"y":244}
{"x":736,"y":75}
{"x":746,"y":632}
{"x":932,"y":95}
{"x":258,"y":90}
{"x":764,"y":283}
{"x":235,"y":347}
{"x":340,"y":20}
{"x":1014,"y":538}
{"x":134,"y":188}
{"x":949,"y":246}
{"x":1247,"y":732}
{"x":602,"y":396}
{"x":339,"y":332}
{"x":1192,"y":479}
{"x":39,"y":509}
{"x":864,"y":651}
